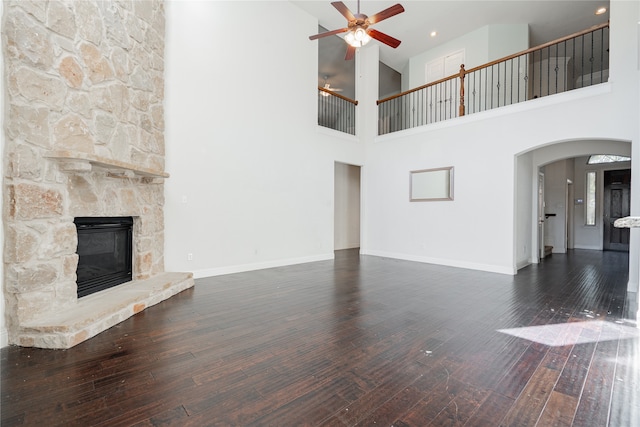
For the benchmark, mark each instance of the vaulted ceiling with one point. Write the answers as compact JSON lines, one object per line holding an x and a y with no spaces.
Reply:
{"x":548,"y":20}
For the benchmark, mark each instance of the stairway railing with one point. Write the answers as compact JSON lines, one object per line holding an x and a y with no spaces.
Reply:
{"x":572,"y":62}
{"x":336,"y":111}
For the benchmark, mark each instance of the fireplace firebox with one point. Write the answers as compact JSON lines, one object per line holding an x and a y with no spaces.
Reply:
{"x":104,"y":253}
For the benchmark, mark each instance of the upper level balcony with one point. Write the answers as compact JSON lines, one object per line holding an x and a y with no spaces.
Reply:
{"x":572,"y":62}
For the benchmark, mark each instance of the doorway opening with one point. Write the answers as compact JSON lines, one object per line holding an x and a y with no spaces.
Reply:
{"x":346,"y":206}
{"x":542,"y":249}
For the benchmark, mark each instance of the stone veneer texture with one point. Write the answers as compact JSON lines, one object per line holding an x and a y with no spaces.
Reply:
{"x":81,"y":76}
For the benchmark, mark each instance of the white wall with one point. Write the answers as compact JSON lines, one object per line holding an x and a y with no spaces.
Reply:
{"x":476,"y":230}
{"x":479,"y":229}
{"x":251,"y":181}
{"x":481,"y":46}
{"x":260,"y":174}
{"x":507,"y":39}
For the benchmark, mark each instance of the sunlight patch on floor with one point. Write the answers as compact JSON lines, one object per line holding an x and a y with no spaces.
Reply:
{"x":561,"y":334}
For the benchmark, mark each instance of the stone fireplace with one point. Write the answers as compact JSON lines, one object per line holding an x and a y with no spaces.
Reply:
{"x":84,"y":134}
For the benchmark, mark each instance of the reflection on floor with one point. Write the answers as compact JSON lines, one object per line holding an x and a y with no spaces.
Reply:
{"x":563,"y":334}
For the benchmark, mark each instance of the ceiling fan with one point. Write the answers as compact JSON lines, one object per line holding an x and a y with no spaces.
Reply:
{"x":327,"y":86}
{"x":357,"y":29}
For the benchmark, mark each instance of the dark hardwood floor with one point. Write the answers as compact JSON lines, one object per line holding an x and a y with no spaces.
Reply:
{"x":356,"y":341}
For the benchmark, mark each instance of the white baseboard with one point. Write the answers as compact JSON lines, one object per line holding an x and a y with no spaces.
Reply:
{"x":523,"y":264}
{"x":593,"y":248}
{"x":219,"y":271}
{"x":440,"y":261}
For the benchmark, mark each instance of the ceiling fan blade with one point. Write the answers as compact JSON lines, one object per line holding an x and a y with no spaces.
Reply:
{"x":384,"y":38}
{"x":328,"y":33}
{"x":387,"y":13}
{"x":351,"y":52}
{"x":344,"y":10}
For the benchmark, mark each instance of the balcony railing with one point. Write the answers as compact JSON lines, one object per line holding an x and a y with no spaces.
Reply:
{"x":336,"y":111}
{"x":572,"y":62}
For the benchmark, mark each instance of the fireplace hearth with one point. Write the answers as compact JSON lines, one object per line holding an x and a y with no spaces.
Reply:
{"x":104,"y":253}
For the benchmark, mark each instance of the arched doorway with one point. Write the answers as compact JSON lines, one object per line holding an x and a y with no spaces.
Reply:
{"x":564,"y":166}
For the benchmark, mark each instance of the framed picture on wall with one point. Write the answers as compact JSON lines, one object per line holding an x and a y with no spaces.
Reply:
{"x":428,"y":185}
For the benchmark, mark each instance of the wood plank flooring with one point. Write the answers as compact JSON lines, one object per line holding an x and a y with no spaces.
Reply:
{"x":358,"y":341}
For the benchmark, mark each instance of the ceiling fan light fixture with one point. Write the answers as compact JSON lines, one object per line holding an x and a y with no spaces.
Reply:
{"x":357,"y":31}
{"x":357,"y":37}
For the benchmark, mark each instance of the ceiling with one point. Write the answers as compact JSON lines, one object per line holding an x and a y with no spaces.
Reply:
{"x":548,"y":20}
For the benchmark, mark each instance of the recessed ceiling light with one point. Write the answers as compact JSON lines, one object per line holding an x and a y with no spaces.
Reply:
{"x":433,"y":33}
{"x":601,"y":11}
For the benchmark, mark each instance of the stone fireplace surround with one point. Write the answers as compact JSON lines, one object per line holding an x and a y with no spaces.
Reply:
{"x":84,"y":136}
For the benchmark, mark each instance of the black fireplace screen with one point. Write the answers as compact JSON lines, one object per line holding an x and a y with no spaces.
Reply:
{"x":104,"y":251}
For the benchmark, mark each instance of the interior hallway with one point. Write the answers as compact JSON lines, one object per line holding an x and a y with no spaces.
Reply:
{"x":355,"y":341}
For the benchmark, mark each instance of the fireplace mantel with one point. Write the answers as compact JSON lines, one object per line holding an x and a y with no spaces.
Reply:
{"x":76,"y":161}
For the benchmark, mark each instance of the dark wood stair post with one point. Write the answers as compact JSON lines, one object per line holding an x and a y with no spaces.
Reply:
{"x":462,"y":75}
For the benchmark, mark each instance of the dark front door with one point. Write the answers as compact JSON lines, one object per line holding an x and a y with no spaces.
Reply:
{"x":617,"y":203}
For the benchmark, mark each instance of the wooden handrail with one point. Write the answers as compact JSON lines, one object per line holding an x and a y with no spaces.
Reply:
{"x":380,"y":101}
{"x":344,"y":98}
{"x":506,"y":58}
{"x":542,"y":46}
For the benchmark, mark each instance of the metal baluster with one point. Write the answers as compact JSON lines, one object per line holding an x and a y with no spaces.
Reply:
{"x":511,"y":95}
{"x":486,"y":81}
{"x":533,"y":74}
{"x":422,"y":103}
{"x":573,"y":62}
{"x":447,"y":101}
{"x":380,"y":120}
{"x":519,"y":77}
{"x":492,"y":86}
{"x":403,"y":109}
{"x":548,"y":71}
{"x":602,"y":55}
{"x":556,"y":69}
{"x":416,"y":108}
{"x":480,"y":90}
{"x":591,"y":58}
{"x":582,"y":62}
{"x":432,"y":105}
{"x":566,"y":78}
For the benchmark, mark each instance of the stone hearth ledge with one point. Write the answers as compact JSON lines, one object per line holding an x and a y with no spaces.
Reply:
{"x":100,"y":311}
{"x":627,"y":222}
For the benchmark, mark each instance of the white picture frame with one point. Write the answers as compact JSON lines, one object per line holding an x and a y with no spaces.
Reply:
{"x":428,"y":185}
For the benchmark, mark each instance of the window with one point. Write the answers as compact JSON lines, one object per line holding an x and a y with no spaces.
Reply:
{"x":590,"y":218}
{"x":607,"y":158}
